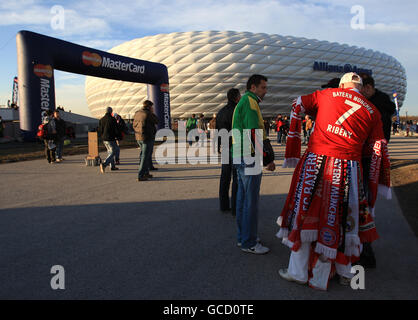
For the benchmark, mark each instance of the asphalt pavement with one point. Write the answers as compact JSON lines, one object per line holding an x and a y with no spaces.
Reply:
{"x":117,"y":238}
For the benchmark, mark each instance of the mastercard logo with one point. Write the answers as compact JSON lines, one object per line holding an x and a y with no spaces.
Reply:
{"x":91,"y":59}
{"x":164,"y":87}
{"x":43,"y":70}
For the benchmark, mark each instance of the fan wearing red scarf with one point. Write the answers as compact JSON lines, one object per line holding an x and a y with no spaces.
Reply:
{"x":328,"y":213}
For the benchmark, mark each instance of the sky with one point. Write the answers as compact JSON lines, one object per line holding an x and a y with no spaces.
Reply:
{"x":386,"y":26}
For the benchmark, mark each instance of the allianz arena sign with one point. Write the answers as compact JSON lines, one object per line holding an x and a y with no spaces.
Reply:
{"x":203,"y":65}
{"x":324,"y":66}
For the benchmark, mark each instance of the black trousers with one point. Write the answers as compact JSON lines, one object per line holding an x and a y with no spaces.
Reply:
{"x":227,"y":172}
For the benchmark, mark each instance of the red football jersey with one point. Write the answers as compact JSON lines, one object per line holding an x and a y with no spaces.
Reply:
{"x":344,"y":121}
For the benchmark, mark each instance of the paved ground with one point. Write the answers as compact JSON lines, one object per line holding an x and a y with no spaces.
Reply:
{"x":165,"y":239}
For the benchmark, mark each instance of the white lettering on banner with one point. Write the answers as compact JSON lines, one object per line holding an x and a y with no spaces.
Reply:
{"x":122,"y":66}
{"x":377,"y":148}
{"x":45,"y":86}
{"x":375,"y":162}
{"x":166,"y":111}
{"x":373,"y":168}
{"x":335,"y":192}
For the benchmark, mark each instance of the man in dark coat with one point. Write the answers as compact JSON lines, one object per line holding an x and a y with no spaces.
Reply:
{"x":382,"y":102}
{"x":145,"y":129}
{"x":224,"y":121}
{"x":61,"y":131}
{"x":386,"y":108}
{"x":108,"y":131}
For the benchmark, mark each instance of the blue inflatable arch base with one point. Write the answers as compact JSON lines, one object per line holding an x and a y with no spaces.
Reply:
{"x":39,"y":55}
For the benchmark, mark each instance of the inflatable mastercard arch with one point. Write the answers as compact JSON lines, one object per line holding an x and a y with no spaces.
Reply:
{"x":38,"y":55}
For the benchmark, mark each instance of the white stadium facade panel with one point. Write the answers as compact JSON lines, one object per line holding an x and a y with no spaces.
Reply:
{"x":202,"y":66}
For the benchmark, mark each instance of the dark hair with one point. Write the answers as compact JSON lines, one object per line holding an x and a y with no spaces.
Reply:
{"x":147,"y":104}
{"x":333,"y":83}
{"x":367,"y":79}
{"x":255,"y":79}
{"x":232,"y":94}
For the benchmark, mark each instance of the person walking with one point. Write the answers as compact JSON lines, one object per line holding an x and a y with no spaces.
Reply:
{"x":50,"y":137}
{"x":212,"y":135}
{"x":279,"y":123}
{"x":61,"y":130}
{"x":246,"y":124}
{"x":108,"y":131}
{"x":224,"y":122}
{"x":284,"y":129}
{"x":144,"y":126}
{"x":309,"y":127}
{"x":191,"y":125}
{"x":202,"y":129}
{"x":327,"y":216}
{"x":122,"y":129}
{"x":267,"y":127}
{"x":154,"y":120}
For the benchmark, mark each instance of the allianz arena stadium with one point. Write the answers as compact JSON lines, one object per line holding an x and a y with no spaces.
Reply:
{"x":202,"y":66}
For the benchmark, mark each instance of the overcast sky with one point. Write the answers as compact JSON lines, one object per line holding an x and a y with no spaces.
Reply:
{"x":390,"y":27}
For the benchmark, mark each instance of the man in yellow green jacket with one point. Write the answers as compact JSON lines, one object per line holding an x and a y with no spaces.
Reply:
{"x":251,"y":149}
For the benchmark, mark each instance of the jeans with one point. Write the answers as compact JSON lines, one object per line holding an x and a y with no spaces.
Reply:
{"x":308,"y":134}
{"x":111,"y":147}
{"x":279,"y":137}
{"x":202,"y":138}
{"x":145,"y":157}
{"x":151,"y":149}
{"x":117,"y":152}
{"x":248,"y":196}
{"x":60,"y":144}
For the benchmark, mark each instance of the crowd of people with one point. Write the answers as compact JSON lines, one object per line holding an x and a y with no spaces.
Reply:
{"x":327,"y":219}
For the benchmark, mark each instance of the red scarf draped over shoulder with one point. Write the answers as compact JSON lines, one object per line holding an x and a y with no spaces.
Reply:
{"x":293,"y":144}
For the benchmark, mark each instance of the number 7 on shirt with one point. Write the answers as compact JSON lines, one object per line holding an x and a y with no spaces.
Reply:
{"x":355,"y":107}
